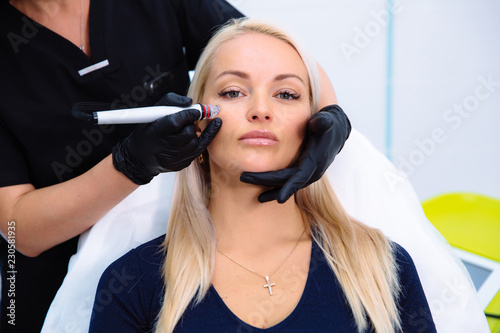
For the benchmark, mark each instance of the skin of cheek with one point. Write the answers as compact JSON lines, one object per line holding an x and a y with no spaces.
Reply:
{"x":257,"y":159}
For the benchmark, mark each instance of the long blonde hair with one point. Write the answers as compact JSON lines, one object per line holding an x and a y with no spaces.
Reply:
{"x":360,"y":256}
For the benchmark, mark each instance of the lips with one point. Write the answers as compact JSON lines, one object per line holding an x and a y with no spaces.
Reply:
{"x":259,"y":138}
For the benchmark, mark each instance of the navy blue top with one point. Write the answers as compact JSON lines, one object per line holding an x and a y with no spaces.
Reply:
{"x":131,"y":290}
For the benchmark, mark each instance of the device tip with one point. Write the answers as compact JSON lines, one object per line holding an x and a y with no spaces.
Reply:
{"x":214,"y":110}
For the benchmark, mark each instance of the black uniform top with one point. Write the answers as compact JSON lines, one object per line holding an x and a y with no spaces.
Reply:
{"x":146,"y":47}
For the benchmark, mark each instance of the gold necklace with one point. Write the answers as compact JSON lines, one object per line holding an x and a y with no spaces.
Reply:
{"x":268,"y":284}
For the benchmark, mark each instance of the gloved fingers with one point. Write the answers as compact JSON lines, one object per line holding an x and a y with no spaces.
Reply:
{"x":320,"y":123}
{"x":174,"y":122}
{"x":185,"y":136}
{"x":180,"y":158}
{"x":300,"y":179}
{"x":209,"y":134}
{"x":270,"y":178}
{"x":194,"y":147}
{"x":268,"y":195}
{"x":338,"y":116}
{"x":175,"y":149}
{"x":173,"y":99}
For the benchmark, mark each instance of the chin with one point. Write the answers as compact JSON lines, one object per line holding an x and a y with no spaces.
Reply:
{"x":262,"y":164}
{"x":262,"y":168}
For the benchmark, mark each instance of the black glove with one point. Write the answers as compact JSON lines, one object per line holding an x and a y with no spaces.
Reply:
{"x":327,"y":132}
{"x":167,"y":144}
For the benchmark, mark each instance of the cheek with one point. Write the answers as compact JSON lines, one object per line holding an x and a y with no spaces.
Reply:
{"x":297,"y":129}
{"x":224,"y":137}
{"x":297,"y":137}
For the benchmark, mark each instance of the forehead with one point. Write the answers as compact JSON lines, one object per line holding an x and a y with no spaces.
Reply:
{"x":257,"y":53}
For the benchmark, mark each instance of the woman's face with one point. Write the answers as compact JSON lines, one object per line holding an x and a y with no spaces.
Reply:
{"x":262,"y":86}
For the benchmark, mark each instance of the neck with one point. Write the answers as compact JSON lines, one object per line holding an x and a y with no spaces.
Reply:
{"x":244,"y":224}
{"x":67,"y":18}
{"x":45,"y":8}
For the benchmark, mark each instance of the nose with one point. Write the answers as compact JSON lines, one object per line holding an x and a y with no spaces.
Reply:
{"x":260,"y":109}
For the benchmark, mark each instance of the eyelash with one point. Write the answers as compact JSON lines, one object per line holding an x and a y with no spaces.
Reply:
{"x":225,"y":93}
{"x":292,"y":95}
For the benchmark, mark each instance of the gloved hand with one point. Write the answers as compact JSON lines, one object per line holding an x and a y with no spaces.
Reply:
{"x":167,"y":144}
{"x":327,"y":132}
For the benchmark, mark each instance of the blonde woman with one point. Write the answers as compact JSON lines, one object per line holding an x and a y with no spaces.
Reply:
{"x":229,"y":263}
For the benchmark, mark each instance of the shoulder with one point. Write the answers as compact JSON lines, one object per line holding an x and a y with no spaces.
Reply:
{"x":413,"y":305}
{"x":401,"y":256}
{"x":146,"y":257}
{"x":131,"y":289}
{"x":407,"y":271}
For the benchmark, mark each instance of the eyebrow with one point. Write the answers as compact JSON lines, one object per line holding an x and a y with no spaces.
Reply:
{"x":245,"y":76}
{"x":287,"y":76}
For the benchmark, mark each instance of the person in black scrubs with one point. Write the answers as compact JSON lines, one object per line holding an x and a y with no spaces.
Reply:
{"x":57,"y":174}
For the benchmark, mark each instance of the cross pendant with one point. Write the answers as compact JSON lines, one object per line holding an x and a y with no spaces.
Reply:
{"x":269,"y":286}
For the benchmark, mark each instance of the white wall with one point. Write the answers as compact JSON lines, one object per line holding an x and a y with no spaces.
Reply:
{"x":443,"y":52}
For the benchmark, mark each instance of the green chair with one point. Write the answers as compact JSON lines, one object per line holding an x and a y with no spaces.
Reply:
{"x":470,"y":222}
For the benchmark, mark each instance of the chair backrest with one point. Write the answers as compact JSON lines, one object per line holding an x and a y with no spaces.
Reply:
{"x":471,"y":222}
{"x":468,"y":221}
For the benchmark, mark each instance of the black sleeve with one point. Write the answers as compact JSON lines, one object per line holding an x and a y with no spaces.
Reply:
{"x":13,"y":168}
{"x":413,"y":307}
{"x":199,"y":19}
